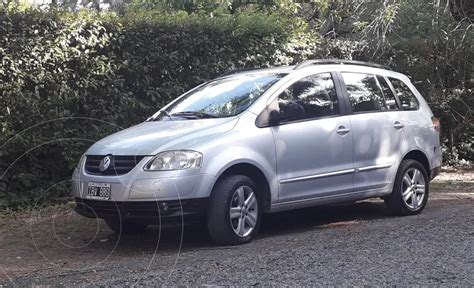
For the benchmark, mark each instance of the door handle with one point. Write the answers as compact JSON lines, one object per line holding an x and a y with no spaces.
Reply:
{"x":342,"y":130}
{"x":398,"y":125}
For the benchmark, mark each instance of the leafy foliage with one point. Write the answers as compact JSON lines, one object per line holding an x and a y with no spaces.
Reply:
{"x":68,"y":79}
{"x":418,"y":38}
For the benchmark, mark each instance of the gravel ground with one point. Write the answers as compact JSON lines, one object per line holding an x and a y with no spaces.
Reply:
{"x":357,"y":244}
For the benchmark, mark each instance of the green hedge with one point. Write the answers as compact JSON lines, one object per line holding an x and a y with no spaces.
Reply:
{"x":68,"y":79}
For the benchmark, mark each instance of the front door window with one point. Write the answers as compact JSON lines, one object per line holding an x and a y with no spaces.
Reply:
{"x":311,"y":97}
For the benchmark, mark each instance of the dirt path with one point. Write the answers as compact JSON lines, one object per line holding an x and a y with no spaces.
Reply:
{"x":344,"y":244}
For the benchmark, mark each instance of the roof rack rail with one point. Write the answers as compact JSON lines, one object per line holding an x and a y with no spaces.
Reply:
{"x":339,"y":61}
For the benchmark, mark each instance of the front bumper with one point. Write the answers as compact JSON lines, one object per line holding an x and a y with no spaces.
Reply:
{"x":174,"y":212}
{"x":161,"y":197}
{"x":139,"y":185}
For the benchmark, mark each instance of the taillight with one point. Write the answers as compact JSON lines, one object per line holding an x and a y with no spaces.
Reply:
{"x":436,"y":124}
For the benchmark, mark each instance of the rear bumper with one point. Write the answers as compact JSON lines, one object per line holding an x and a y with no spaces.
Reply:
{"x":435,"y":172}
{"x":174,"y":212}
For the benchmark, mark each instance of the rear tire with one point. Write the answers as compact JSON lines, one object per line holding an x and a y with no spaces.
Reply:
{"x":410,"y":190}
{"x":125,"y":227}
{"x":235,"y":210}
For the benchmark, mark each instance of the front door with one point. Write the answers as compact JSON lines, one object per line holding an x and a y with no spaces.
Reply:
{"x":314,"y":142}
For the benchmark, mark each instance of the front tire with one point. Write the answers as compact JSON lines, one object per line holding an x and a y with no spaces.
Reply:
{"x":234,"y":211}
{"x":125,"y":227}
{"x":410,"y":190}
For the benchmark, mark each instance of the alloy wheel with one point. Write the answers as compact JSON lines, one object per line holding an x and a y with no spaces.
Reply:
{"x":413,"y":188}
{"x":243,"y":211}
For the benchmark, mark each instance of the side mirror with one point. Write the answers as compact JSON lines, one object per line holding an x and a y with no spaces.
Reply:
{"x":275,"y":117}
{"x":289,"y":112}
{"x":272,"y":117}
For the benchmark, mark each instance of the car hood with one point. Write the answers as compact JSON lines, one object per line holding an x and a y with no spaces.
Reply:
{"x":149,"y":138}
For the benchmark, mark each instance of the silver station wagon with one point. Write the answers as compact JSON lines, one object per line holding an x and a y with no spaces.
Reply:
{"x":266,"y":140}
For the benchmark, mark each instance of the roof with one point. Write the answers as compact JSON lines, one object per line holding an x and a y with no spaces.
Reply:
{"x":307,"y":63}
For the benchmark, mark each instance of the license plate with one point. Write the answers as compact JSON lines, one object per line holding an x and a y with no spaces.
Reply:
{"x":98,"y":191}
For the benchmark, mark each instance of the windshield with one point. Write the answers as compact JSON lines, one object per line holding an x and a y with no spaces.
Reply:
{"x":224,"y":97}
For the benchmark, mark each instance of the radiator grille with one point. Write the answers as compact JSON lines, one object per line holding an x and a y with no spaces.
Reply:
{"x":119,"y":165}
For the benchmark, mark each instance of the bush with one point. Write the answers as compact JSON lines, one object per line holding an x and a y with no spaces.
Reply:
{"x":68,"y":79}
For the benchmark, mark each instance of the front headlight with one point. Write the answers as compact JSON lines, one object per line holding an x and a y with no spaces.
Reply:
{"x":174,"y":160}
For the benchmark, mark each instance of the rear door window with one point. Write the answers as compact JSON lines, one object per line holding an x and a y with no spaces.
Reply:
{"x":390,"y":100}
{"x":365,"y":94}
{"x":404,"y":94}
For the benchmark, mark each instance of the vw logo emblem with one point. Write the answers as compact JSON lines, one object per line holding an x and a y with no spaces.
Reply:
{"x":105,"y":163}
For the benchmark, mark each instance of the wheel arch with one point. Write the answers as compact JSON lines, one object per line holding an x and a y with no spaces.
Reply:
{"x":421,"y":157}
{"x":256,"y":174}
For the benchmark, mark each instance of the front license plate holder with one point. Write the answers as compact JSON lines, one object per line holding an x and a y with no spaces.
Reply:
{"x":98,"y":191}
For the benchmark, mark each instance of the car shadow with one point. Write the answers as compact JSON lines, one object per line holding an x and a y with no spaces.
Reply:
{"x":275,"y":224}
{"x":321,"y":217}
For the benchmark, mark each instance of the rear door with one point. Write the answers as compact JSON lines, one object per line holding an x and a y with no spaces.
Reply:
{"x":313,"y":147}
{"x":377,"y":128}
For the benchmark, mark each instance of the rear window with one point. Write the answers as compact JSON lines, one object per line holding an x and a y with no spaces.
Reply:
{"x":405,"y":95}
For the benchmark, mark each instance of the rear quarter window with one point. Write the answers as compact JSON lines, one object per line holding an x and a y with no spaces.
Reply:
{"x":407,"y":99}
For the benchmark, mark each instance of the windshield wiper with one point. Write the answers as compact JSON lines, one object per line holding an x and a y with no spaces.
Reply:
{"x":158,"y":118}
{"x":193,"y":115}
{"x":167,"y":114}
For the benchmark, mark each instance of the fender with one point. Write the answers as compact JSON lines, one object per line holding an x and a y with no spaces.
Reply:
{"x":217,"y":167}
